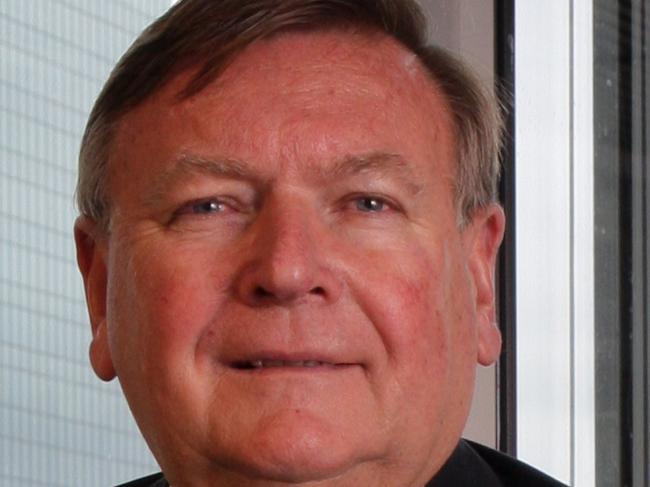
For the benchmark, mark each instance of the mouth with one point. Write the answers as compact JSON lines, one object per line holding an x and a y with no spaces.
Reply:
{"x":258,"y":364}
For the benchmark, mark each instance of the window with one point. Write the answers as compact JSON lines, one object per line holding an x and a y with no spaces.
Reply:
{"x":59,"y":426}
{"x":581,"y":200}
{"x":622,"y":192}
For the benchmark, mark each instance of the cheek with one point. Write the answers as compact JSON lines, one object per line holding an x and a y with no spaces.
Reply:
{"x":417,"y":302}
{"x":402,"y":294}
{"x":161,"y":300}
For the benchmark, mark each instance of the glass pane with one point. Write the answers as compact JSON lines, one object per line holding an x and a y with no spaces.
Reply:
{"x":59,"y":426}
{"x":621,"y":266}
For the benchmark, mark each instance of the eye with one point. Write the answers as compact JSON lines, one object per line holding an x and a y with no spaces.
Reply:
{"x":207,"y":206}
{"x":202,"y":207}
{"x":370,"y":204}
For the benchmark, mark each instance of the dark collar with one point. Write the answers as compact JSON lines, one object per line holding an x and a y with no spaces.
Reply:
{"x":465,"y":468}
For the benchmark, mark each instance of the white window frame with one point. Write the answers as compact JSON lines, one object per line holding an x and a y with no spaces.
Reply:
{"x":554,"y":238}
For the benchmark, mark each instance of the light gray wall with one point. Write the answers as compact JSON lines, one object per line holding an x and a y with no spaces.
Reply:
{"x":465,"y":27}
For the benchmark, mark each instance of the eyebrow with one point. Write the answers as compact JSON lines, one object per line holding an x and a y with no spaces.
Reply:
{"x":187,"y":165}
{"x":383,"y":164}
{"x":380,"y":163}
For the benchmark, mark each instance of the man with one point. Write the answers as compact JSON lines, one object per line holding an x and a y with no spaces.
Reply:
{"x":288,"y":239}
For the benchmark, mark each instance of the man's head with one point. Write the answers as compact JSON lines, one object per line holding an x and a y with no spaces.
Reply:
{"x":206,"y":35}
{"x":286,"y":262}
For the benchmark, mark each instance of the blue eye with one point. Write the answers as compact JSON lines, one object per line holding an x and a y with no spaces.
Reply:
{"x":370,"y":204}
{"x":208,"y":206}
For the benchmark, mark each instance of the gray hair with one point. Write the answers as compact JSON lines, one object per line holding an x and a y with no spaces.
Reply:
{"x":208,"y":34}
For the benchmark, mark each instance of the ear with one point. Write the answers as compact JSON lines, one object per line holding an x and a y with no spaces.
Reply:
{"x":485,"y":233}
{"x":91,"y":244}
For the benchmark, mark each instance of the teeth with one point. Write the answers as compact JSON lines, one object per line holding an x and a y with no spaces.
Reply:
{"x":258,"y":364}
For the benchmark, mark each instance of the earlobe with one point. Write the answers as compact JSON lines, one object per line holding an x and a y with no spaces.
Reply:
{"x":100,"y":354}
{"x":91,"y":259}
{"x":489,"y":343}
{"x":487,"y":229}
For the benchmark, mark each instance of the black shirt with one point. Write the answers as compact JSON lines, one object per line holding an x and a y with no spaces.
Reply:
{"x":471,"y":465}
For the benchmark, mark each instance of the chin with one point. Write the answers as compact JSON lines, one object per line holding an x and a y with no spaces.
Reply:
{"x":294,"y":446}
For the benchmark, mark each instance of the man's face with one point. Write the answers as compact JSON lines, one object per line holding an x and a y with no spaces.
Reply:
{"x":285,"y":293}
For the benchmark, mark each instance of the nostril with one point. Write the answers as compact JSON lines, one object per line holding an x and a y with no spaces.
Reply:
{"x":262,"y":293}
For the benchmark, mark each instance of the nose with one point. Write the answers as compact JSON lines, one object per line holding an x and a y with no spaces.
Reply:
{"x":289,"y":261}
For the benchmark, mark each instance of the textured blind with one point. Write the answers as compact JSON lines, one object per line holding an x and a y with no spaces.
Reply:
{"x":59,"y":425}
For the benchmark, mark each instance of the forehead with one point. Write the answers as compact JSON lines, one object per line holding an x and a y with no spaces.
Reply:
{"x":329,"y":59}
{"x":299,"y":92}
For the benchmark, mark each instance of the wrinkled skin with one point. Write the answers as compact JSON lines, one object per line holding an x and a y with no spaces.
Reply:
{"x":297,"y":214}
